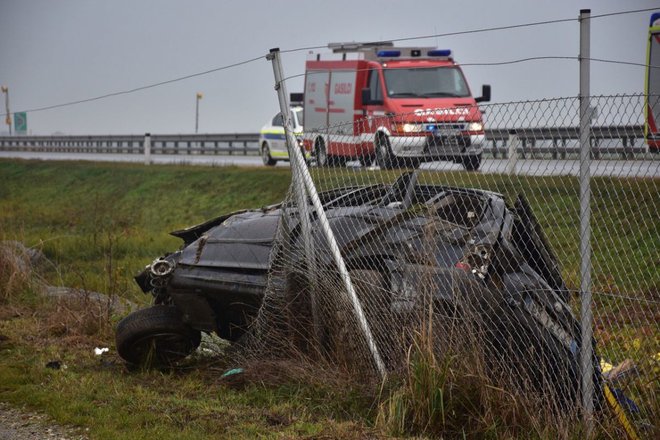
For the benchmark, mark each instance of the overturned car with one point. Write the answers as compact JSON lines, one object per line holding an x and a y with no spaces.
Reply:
{"x":506,"y":273}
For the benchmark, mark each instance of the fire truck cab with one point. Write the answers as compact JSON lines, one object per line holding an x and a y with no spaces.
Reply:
{"x":397,"y":106}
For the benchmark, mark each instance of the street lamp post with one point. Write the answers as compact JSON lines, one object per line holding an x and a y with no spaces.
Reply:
{"x":199,"y":96}
{"x":5,"y":90}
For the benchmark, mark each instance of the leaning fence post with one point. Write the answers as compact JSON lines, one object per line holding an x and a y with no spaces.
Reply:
{"x":300,"y":168}
{"x":586,"y":349}
{"x":147,"y":148}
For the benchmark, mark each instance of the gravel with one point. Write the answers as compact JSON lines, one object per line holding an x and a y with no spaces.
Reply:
{"x":18,"y":424}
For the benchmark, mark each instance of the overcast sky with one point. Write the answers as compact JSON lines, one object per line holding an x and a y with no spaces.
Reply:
{"x":53,"y":52}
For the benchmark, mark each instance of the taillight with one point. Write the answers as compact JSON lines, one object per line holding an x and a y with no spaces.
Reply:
{"x":463,"y":266}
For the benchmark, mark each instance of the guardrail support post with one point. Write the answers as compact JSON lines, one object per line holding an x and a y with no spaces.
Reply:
{"x":514,"y":142}
{"x":147,"y":148}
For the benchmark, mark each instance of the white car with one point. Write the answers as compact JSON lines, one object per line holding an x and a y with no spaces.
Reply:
{"x":272,"y":141}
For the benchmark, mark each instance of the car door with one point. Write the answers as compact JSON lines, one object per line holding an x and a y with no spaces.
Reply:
{"x":278,"y":144}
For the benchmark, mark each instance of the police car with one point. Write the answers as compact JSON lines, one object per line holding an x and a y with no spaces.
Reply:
{"x":272,"y":141}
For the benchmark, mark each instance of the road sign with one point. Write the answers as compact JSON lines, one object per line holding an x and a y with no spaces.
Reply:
{"x":20,"y":123}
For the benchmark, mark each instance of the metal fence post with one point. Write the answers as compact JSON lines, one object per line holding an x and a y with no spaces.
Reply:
{"x":147,"y":148}
{"x":300,"y":168}
{"x":586,"y":315}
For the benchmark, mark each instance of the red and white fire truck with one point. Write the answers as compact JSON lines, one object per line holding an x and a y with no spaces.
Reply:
{"x":398,"y":106}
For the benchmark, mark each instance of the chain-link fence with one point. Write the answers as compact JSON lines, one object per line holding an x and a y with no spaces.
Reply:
{"x":418,"y":240}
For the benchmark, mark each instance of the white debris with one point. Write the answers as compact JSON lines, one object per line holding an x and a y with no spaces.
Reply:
{"x":99,"y":351}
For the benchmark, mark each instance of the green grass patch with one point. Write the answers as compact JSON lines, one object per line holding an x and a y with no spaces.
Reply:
{"x":100,"y":224}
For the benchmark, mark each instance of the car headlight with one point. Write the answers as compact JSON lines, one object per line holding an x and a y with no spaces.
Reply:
{"x":475,"y":126}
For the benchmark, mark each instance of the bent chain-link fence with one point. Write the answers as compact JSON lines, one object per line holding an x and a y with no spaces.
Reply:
{"x":481,"y":265}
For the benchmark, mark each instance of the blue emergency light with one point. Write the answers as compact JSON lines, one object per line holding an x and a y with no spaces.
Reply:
{"x":389,"y":53}
{"x":654,"y":17}
{"x":439,"y":53}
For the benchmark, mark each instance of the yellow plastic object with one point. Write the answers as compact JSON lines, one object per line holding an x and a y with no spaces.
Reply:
{"x":620,"y":413}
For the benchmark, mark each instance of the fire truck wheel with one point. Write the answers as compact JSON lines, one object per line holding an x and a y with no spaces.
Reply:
{"x":408,"y":162}
{"x":471,"y":163}
{"x":266,"y":157}
{"x":322,"y":159}
{"x":384,"y":156}
{"x":337,"y":161}
{"x":366,"y":161}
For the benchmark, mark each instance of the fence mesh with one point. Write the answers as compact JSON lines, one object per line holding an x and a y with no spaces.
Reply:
{"x":476,"y":253}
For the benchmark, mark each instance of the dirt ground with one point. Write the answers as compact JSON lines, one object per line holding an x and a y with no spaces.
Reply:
{"x":19,"y":424}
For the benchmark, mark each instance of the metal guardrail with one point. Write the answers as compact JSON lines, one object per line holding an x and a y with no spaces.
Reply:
{"x":534,"y":142}
{"x":224,"y":143}
{"x":554,"y":141}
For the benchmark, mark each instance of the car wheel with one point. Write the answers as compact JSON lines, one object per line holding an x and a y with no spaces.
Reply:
{"x":266,"y":157}
{"x":471,"y":163}
{"x":155,"y":337}
{"x":384,"y":156}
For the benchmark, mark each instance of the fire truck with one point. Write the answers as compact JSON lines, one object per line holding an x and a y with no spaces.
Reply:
{"x":397,"y":106}
{"x":652,"y":86}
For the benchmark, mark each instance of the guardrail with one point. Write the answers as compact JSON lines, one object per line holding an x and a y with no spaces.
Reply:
{"x":226,"y":143}
{"x":534,"y":142}
{"x":554,"y":141}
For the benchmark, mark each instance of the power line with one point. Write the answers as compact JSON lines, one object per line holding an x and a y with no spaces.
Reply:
{"x":503,"y":63}
{"x":522,"y":60}
{"x":492,"y":29}
{"x":137,"y":89}
{"x":472,"y":31}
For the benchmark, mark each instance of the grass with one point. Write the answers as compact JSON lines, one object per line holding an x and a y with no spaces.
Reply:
{"x":99,"y":224}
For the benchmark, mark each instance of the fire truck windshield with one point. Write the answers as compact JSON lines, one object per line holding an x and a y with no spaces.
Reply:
{"x":428,"y":82}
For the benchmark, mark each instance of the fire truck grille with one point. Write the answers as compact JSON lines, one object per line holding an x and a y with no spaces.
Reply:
{"x":440,"y":144}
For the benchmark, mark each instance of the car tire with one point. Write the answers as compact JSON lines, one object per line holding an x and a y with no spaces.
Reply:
{"x":384,"y":156}
{"x":155,"y":337}
{"x":266,"y":157}
{"x":531,"y":346}
{"x":471,"y":163}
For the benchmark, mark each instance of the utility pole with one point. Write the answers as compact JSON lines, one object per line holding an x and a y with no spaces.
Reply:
{"x":199,"y":96}
{"x":5,"y":90}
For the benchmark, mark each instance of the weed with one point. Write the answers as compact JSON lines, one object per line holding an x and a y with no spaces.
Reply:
{"x":16,"y":270}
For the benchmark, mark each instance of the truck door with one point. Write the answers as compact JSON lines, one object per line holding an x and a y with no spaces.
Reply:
{"x":341,"y":99}
{"x":374,"y":107}
{"x":315,"y":110}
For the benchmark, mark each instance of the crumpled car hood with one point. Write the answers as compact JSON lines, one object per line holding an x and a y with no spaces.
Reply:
{"x":243,"y":241}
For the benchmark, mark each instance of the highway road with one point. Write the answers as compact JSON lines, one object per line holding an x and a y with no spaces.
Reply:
{"x":614,"y":168}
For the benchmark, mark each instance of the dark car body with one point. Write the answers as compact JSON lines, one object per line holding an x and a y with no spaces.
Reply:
{"x":218,"y":279}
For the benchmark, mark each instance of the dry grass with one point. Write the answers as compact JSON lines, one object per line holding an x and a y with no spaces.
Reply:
{"x":16,"y":274}
{"x":74,"y":317}
{"x":453,"y":395}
